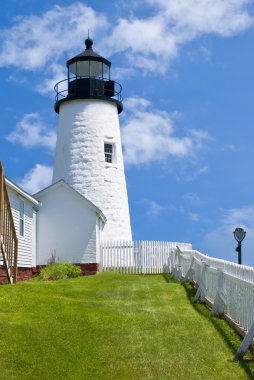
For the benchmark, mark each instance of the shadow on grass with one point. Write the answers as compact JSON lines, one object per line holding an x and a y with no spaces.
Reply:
{"x":226,"y":331}
{"x":167,"y":277}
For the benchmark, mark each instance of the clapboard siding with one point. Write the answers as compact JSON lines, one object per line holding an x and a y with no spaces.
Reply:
{"x":67,"y":226}
{"x":26,"y":251}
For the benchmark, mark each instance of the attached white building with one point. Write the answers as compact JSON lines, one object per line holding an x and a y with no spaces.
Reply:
{"x":70,"y":227}
{"x":56,"y":223}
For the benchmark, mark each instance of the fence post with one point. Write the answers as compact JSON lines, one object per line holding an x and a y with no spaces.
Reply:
{"x":168,"y":255}
{"x":173,"y":262}
{"x":177,"y":265}
{"x":190,"y":273}
{"x":142,"y":256}
{"x":220,"y":299}
{"x":245,"y":343}
{"x":201,"y":292}
{"x":101,"y":258}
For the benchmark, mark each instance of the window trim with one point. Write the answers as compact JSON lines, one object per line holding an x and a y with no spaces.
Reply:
{"x":21,"y":217}
{"x":109,"y":154}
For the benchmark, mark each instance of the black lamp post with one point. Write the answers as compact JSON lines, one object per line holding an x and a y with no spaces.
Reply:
{"x":239,"y":235}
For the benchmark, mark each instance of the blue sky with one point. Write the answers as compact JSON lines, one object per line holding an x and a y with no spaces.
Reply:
{"x":186,"y":68}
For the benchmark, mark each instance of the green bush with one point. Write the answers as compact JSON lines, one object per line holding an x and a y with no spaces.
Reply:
{"x":72,"y":270}
{"x":59,"y":271}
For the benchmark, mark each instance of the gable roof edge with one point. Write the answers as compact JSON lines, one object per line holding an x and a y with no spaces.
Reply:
{"x":82,"y":197}
{"x":22,"y":192}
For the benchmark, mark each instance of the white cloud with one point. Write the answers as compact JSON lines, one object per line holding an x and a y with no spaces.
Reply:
{"x":144,"y":41}
{"x":206,"y":53}
{"x":185,"y":174}
{"x":155,"y":209}
{"x":31,"y":132}
{"x":193,"y":199}
{"x":194,"y":216}
{"x":58,"y":73}
{"x":121,"y":73}
{"x":150,"y":43}
{"x":200,"y":171}
{"x":229,"y":148}
{"x":148,"y":135}
{"x":33,"y":41}
{"x":39,"y":42}
{"x":244,"y":215}
{"x":193,"y":17}
{"x":37,"y":178}
{"x":199,"y":136}
{"x":136,"y":102}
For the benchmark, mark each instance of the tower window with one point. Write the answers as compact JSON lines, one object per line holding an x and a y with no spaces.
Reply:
{"x":108,"y":151}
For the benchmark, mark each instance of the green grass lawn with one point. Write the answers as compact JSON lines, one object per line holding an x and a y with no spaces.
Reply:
{"x":113,"y":326}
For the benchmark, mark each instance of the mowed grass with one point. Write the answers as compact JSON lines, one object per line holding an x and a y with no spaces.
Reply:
{"x":113,"y":326}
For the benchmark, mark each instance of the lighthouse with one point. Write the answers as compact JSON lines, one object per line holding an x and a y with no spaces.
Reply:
{"x":88,"y":153}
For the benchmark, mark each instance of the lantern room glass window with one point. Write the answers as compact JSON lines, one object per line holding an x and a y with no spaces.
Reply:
{"x":106,"y":72}
{"x":96,"y":69}
{"x":82,"y":69}
{"x":89,"y":69}
{"x":73,"y":68}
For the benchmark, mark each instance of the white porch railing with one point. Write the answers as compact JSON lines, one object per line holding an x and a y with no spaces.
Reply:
{"x":138,"y":257}
{"x":8,"y":236}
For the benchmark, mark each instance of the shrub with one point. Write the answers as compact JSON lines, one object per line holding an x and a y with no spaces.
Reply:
{"x":59,"y":271}
{"x":72,"y":270}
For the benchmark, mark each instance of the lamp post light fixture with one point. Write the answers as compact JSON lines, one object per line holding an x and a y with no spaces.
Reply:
{"x":239,"y":235}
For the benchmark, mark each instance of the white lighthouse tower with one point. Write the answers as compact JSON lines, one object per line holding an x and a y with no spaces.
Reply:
{"x":88,"y":150}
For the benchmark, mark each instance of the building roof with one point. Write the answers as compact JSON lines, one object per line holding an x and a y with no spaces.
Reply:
{"x":76,"y":193}
{"x":21,"y":192}
{"x":88,"y":54}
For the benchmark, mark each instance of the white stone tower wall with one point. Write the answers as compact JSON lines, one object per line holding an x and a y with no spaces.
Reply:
{"x":84,"y":127}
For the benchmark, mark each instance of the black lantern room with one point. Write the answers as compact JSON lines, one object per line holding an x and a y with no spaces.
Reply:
{"x":88,"y":78}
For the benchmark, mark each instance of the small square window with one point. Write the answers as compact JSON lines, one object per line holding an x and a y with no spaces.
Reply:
{"x":108,"y":151}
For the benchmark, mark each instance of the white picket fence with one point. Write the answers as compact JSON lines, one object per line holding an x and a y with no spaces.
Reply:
{"x":138,"y":257}
{"x":227,"y":287}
